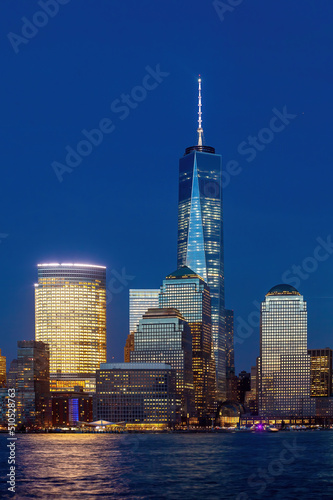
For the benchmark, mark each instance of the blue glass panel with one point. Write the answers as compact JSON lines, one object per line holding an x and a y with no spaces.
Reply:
{"x":195,"y":256}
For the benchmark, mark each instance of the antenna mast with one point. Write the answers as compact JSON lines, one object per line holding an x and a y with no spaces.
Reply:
{"x":200,"y":130}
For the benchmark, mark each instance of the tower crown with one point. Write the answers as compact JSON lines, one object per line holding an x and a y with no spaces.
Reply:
{"x":283,"y":290}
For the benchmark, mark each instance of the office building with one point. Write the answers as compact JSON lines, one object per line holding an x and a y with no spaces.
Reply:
{"x":3,"y":408}
{"x":230,"y":351}
{"x":244,"y":385}
{"x":70,"y":408}
{"x":324,"y":410}
{"x":129,"y":347}
{"x":70,"y":302}
{"x":33,"y":384}
{"x":136,"y":393}
{"x":12,"y":374}
{"x":321,"y":372}
{"x":163,"y":336}
{"x":232,"y":388}
{"x":284,"y":381}
{"x":251,"y":396}
{"x":140,"y":300}
{"x":3,"y":377}
{"x":200,"y":234}
{"x":187,"y":292}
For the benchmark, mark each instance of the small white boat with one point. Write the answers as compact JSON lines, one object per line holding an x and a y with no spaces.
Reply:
{"x":272,"y":429}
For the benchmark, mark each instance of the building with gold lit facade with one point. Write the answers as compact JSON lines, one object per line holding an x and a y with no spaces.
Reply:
{"x":321,"y":372}
{"x":2,"y":370}
{"x":187,"y":292}
{"x":70,"y":316}
{"x":284,"y":379}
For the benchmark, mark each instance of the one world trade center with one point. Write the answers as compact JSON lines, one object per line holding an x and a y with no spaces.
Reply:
{"x":200,"y":234}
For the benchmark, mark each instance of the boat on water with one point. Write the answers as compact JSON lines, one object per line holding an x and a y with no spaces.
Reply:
{"x":271,"y":428}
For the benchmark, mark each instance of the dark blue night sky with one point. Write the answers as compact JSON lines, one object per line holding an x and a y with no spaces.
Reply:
{"x":118,"y":206}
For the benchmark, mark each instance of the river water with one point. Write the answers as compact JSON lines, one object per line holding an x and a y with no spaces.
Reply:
{"x":240,"y":466}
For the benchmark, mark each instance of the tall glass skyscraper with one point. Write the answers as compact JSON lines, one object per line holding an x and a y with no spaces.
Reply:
{"x":70,"y":302}
{"x":33,"y":384}
{"x":140,"y":300}
{"x":200,"y":234}
{"x":284,"y":378}
{"x":163,"y":336}
{"x":186,"y":291}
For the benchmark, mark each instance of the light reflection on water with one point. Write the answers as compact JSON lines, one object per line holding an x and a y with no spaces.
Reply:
{"x":170,"y":466}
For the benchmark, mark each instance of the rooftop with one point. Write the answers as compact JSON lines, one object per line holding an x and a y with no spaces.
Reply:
{"x":134,"y":366}
{"x":283,"y":290}
{"x":55,"y":264}
{"x":156,"y":312}
{"x":183,"y":273}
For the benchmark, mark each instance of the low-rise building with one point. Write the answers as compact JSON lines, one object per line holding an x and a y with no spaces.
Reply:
{"x":137,"y":393}
{"x":70,"y":408}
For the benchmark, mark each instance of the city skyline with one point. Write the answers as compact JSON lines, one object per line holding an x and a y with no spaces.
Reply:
{"x":99,"y":210}
{"x":166,"y":249}
{"x":110,"y":356}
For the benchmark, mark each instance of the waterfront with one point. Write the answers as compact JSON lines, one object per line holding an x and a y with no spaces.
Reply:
{"x":172,"y":466}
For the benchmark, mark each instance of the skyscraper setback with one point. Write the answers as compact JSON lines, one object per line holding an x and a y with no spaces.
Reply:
{"x":200,"y":234}
{"x":187,"y":292}
{"x":163,"y":336}
{"x":71,"y":319}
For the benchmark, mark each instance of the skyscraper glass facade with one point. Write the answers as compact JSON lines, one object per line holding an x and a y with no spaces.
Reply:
{"x":230,"y":351}
{"x":284,"y":380}
{"x":187,"y":292}
{"x":70,"y":302}
{"x":33,"y":384}
{"x":140,"y":300}
{"x":200,"y":237}
{"x":163,"y":336}
{"x":321,"y":371}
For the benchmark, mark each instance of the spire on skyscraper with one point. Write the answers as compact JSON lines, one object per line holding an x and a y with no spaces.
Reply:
{"x":200,"y":130}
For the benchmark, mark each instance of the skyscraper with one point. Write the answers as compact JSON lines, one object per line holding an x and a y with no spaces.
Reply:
{"x":230,"y":351}
{"x":186,"y":291}
{"x":284,"y":380}
{"x":2,"y":370}
{"x":129,"y":347}
{"x":70,"y":301}
{"x":33,"y":384}
{"x":321,"y":371}
{"x":200,"y":234}
{"x":251,"y":397}
{"x":163,"y":336}
{"x":140,"y":300}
